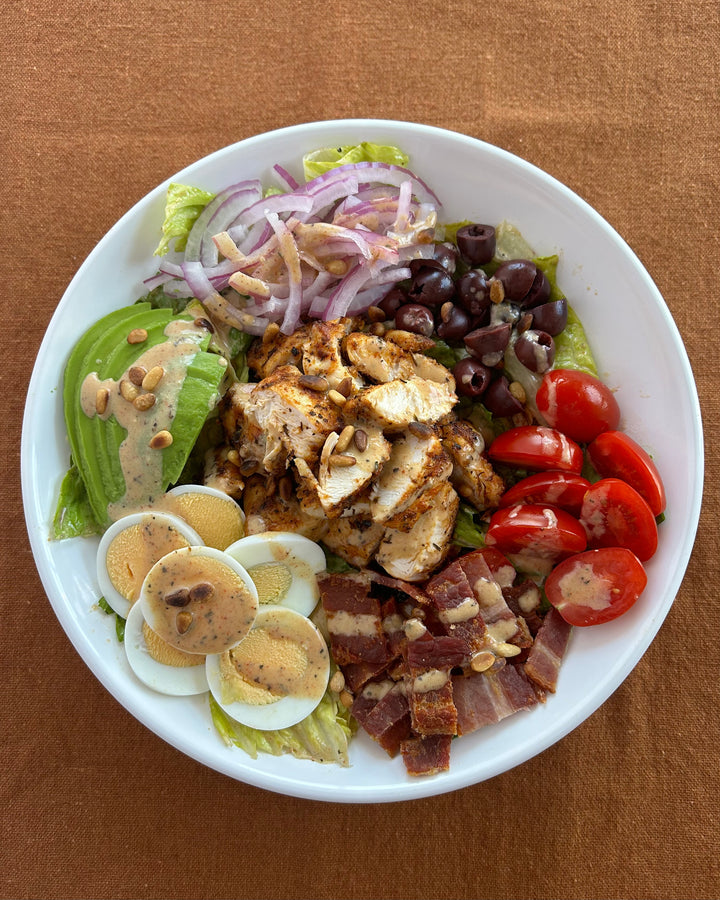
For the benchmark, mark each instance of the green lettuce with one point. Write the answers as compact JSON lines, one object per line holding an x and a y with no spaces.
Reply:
{"x":320,"y":161}
{"x":469,"y":532}
{"x":572,"y":350}
{"x":73,"y":514}
{"x":323,"y":736}
{"x":119,"y":621}
{"x":183,"y":205}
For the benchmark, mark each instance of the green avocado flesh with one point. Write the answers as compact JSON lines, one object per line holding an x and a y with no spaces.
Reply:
{"x":94,"y":441}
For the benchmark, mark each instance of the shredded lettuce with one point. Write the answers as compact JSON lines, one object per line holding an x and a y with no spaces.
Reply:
{"x":183,"y":205}
{"x":73,"y":514}
{"x":335,"y":564}
{"x":321,"y":161}
{"x":322,"y":737}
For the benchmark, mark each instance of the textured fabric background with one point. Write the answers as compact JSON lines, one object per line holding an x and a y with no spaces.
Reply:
{"x":101,"y":101}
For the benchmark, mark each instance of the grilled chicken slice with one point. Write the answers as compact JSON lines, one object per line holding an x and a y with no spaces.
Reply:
{"x":406,"y":518}
{"x":269,"y":508}
{"x":322,"y":352}
{"x":472,"y":476}
{"x":394,"y":405}
{"x":383,"y":360}
{"x":354,"y":538}
{"x":292,"y":414}
{"x":413,"y":555}
{"x":414,"y":343}
{"x":415,"y":464}
{"x":221,"y":474}
{"x":264,"y":356}
{"x":336,"y":486}
{"x":241,"y":427}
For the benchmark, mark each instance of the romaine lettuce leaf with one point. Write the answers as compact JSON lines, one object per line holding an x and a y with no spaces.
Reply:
{"x":572,"y":350}
{"x":183,"y":205}
{"x":323,"y":736}
{"x":320,"y":161}
{"x":73,"y":514}
{"x":468,"y":532}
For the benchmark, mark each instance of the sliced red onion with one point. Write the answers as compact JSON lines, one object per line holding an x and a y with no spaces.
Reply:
{"x":278,"y":203}
{"x":286,"y":177}
{"x":197,"y":232}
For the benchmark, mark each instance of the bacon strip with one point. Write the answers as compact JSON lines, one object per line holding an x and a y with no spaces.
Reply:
{"x":386,"y":720}
{"x":427,"y":755}
{"x":547,"y":651}
{"x":486,"y":699}
{"x":353,"y":619}
{"x":430,"y":660}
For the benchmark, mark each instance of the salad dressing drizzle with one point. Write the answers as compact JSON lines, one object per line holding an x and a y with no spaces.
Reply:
{"x":140,"y":463}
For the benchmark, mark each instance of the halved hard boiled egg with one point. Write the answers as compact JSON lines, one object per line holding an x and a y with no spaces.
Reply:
{"x":199,"y":599}
{"x":130,"y":548}
{"x":216,"y":517}
{"x":159,"y":665}
{"x":276,"y":676}
{"x":283,"y":566}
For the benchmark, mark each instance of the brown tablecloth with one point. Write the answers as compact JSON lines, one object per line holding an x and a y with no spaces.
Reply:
{"x":99,"y":103}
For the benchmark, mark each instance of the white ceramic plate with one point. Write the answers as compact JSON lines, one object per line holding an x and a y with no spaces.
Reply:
{"x":640,"y":355}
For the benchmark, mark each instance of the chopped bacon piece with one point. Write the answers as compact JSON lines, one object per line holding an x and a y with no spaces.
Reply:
{"x":524,"y":600}
{"x":357,"y":675}
{"x":353,"y":620}
{"x":435,"y":653}
{"x":484,"y":699}
{"x":546,"y":654}
{"x":426,"y":755}
{"x":386,"y":720}
{"x":494,"y":611}
{"x":429,"y":684}
{"x":457,"y":607}
{"x":412,"y":590}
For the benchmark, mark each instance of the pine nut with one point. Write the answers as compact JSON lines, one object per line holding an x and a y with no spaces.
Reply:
{"x":101,"y":400}
{"x":346,"y":436}
{"x":161,"y":440}
{"x":137,"y":336}
{"x":128,"y":390}
{"x":143,"y":402}
{"x":136,"y":374}
{"x":152,"y":379}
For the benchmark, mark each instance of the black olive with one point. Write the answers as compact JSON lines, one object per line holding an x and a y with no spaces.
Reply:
{"x":488,"y":344}
{"x":535,"y":350}
{"x":499,"y":400}
{"x":550,"y":317}
{"x":431,"y":286}
{"x":454,"y":322}
{"x":471,"y":377}
{"x":476,"y":243}
{"x":415,"y":318}
{"x":473,"y":292}
{"x":517,"y":277}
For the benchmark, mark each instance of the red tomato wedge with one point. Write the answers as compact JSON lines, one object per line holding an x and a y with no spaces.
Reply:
{"x":535,"y":530}
{"x":563,"y":489}
{"x":615,"y":455}
{"x":537,"y":447}
{"x":596,"y":586}
{"x":577,"y":404}
{"x":501,"y":568}
{"x":615,"y":515}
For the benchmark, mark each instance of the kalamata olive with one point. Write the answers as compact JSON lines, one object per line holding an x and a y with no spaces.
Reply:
{"x":473,"y":291}
{"x":550,"y":317}
{"x":392,"y":301}
{"x":431,"y":286}
{"x":488,"y":344}
{"x":471,"y":377}
{"x":535,"y":350}
{"x":454,"y":322}
{"x":540,"y":290}
{"x":517,"y":277}
{"x":499,"y":400}
{"x":446,"y":255}
{"x":415,"y":318}
{"x":476,"y":243}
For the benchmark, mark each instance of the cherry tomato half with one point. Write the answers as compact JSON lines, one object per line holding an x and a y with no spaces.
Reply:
{"x":537,"y":447}
{"x":535,"y":530}
{"x":577,"y":404}
{"x":596,"y":586}
{"x":615,"y":455}
{"x":615,"y":515}
{"x":563,"y":489}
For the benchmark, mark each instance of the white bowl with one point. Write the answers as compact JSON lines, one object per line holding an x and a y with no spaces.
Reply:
{"x":639,"y":353}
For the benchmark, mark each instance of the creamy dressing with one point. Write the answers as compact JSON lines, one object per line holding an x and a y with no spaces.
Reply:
{"x":466,"y":609}
{"x":581,"y":586}
{"x":432,"y":680}
{"x":488,"y":592}
{"x":141,"y":464}
{"x":198,"y":603}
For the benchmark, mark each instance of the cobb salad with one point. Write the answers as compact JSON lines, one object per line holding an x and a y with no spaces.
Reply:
{"x":352,"y":465}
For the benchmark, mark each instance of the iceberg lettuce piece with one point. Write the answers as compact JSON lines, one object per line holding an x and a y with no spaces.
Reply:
{"x":183,"y":205}
{"x":321,"y":161}
{"x":572,"y":350}
{"x":323,"y":736}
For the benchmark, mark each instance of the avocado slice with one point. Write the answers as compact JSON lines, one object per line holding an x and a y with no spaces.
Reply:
{"x":105,"y":353}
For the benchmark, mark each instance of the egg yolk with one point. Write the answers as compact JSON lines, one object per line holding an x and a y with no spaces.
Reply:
{"x":272,"y":581}
{"x":135,"y":550}
{"x":166,"y":654}
{"x":219,"y":522}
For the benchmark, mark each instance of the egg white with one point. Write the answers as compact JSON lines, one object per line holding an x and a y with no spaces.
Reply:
{"x":117,"y":601}
{"x":303,"y":558}
{"x":286,"y":711}
{"x":179,"y":681}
